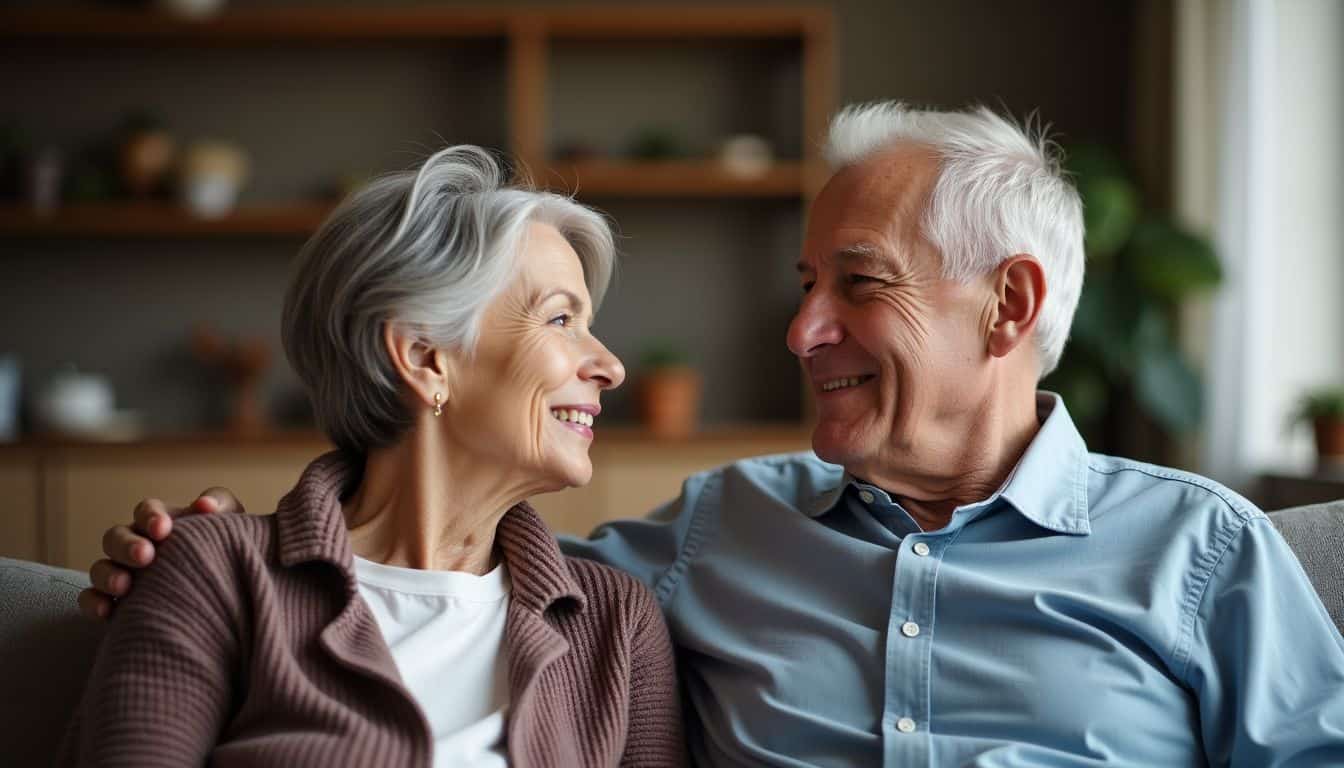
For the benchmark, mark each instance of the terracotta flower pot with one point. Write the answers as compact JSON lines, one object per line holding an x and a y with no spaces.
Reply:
{"x":146,"y":159}
{"x":669,"y":401}
{"x":1329,"y":440}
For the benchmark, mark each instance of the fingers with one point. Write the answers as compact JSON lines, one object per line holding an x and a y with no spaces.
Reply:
{"x":154,"y":519}
{"x":217,"y":499}
{"x":94,"y":605}
{"x":109,"y":578}
{"x":126,"y":547}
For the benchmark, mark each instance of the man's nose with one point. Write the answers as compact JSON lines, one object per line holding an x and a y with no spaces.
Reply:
{"x":815,"y":326}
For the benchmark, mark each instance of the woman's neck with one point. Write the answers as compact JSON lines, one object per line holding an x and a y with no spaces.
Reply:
{"x":421,"y":505}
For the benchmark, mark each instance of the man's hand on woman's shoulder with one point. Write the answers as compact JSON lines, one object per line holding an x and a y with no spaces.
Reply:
{"x":131,"y":547}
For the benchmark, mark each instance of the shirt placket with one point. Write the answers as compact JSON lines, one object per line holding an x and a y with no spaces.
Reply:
{"x":905,"y":720}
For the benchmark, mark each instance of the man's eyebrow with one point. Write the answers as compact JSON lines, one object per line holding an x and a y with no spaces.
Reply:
{"x":863,"y":254}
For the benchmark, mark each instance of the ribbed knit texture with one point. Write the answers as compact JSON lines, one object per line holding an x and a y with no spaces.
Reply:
{"x":246,"y":643}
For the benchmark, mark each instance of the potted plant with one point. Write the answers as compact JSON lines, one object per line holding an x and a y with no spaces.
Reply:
{"x":1124,"y":377}
{"x":1324,"y":410}
{"x":669,"y":391}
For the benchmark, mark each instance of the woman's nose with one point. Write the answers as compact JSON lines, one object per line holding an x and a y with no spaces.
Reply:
{"x":603,"y":367}
{"x":814,"y":326}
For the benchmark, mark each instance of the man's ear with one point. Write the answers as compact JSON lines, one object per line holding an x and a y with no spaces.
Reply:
{"x":426,"y":370}
{"x":1019,"y":287}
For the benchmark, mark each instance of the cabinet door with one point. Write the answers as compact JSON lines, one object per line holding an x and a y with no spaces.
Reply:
{"x":88,"y":491}
{"x":20,"y":521}
{"x":631,"y":480}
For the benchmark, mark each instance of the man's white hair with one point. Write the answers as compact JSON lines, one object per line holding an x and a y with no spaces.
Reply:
{"x":1000,"y":192}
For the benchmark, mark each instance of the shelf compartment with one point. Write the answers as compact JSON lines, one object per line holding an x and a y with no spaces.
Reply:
{"x":670,"y":179}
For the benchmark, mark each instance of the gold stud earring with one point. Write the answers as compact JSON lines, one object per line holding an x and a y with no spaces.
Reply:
{"x":438,"y":403}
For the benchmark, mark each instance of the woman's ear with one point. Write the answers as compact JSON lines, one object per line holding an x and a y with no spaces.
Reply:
{"x":426,"y":370}
{"x":1020,"y":291}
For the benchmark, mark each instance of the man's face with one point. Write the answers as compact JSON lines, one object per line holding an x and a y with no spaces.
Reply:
{"x":893,"y":350}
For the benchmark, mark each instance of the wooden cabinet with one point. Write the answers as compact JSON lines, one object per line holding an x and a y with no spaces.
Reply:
{"x":56,"y":500}
{"x":20,"y":518}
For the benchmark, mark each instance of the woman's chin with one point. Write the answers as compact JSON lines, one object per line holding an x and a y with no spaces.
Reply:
{"x":570,"y":475}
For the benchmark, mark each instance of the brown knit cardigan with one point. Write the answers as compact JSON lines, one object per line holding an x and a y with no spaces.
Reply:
{"x":246,"y":643}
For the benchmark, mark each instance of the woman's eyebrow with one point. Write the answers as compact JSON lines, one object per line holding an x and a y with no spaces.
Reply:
{"x":575,"y":301}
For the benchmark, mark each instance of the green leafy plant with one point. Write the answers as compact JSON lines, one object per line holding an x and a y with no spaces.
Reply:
{"x":1123,"y":353}
{"x":1325,"y":403}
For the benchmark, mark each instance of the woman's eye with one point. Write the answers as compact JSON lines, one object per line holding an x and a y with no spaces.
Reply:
{"x":561,"y":320}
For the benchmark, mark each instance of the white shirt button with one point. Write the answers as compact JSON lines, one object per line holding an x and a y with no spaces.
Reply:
{"x":910,"y":629}
{"x":921,"y":549}
{"x":905,"y":725}
{"x":867,"y":496}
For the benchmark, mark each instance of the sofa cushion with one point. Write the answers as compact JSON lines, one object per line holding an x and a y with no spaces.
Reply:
{"x":1316,"y":534}
{"x":46,"y":652}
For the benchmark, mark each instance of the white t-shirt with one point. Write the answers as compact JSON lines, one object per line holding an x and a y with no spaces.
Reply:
{"x":446,"y":632}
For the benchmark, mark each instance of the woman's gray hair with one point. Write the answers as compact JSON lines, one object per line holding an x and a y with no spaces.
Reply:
{"x":424,"y":250}
{"x":1000,"y":192}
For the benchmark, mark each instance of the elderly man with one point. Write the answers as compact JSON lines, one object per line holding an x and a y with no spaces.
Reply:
{"x":952,"y":579}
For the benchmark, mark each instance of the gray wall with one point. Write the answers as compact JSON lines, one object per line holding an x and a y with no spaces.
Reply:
{"x":715,"y":274}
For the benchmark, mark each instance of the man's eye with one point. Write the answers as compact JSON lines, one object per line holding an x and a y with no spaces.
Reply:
{"x":561,"y":320}
{"x":807,"y":287}
{"x":857,"y":279}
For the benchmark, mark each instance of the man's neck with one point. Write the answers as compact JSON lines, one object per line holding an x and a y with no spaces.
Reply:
{"x":967,"y":461}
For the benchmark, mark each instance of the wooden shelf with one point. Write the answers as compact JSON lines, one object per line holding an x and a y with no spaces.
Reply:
{"x":250,"y":25}
{"x":587,"y":180}
{"x":244,"y":25}
{"x":670,"y":179}
{"x":160,"y":220}
{"x":620,"y":433}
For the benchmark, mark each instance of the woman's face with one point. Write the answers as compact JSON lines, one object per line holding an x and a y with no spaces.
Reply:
{"x":529,"y":395}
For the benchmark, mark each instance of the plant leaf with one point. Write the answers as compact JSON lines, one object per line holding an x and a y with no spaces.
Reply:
{"x":1169,"y":389}
{"x":1110,"y":210}
{"x":1171,"y":262}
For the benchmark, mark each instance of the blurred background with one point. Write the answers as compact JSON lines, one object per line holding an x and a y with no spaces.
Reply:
{"x":162,"y":162}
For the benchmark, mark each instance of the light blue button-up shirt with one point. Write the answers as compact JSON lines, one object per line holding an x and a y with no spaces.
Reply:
{"x":1093,"y":611}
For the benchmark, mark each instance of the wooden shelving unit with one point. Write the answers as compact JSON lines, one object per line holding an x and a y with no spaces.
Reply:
{"x":115,"y":220}
{"x":671,"y":179}
{"x":783,"y":53}
{"x":527,"y":34}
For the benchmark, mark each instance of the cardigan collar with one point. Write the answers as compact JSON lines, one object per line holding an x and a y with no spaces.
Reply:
{"x":311,"y":526}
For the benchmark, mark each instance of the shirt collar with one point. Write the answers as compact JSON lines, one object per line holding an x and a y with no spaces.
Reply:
{"x":1048,"y":486}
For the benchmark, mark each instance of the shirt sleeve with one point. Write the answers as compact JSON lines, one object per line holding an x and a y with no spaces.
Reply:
{"x":1265,"y":661}
{"x":654,"y":549}
{"x":160,"y":689}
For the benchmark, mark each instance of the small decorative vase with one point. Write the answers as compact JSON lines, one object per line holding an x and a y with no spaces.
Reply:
{"x":212,"y":176}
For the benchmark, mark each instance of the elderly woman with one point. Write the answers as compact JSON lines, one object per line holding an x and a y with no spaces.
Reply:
{"x":404,"y":605}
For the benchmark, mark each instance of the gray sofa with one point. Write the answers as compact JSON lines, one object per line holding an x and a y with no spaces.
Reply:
{"x":46,"y":648}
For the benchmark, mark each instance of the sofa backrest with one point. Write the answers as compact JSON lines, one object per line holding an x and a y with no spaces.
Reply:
{"x":1316,"y":534}
{"x":46,"y":652}
{"x":47,"y":648}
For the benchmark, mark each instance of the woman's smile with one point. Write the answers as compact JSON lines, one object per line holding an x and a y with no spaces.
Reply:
{"x":579,"y":418}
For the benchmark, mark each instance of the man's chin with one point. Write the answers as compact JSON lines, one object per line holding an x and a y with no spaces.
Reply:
{"x":834,"y":444}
